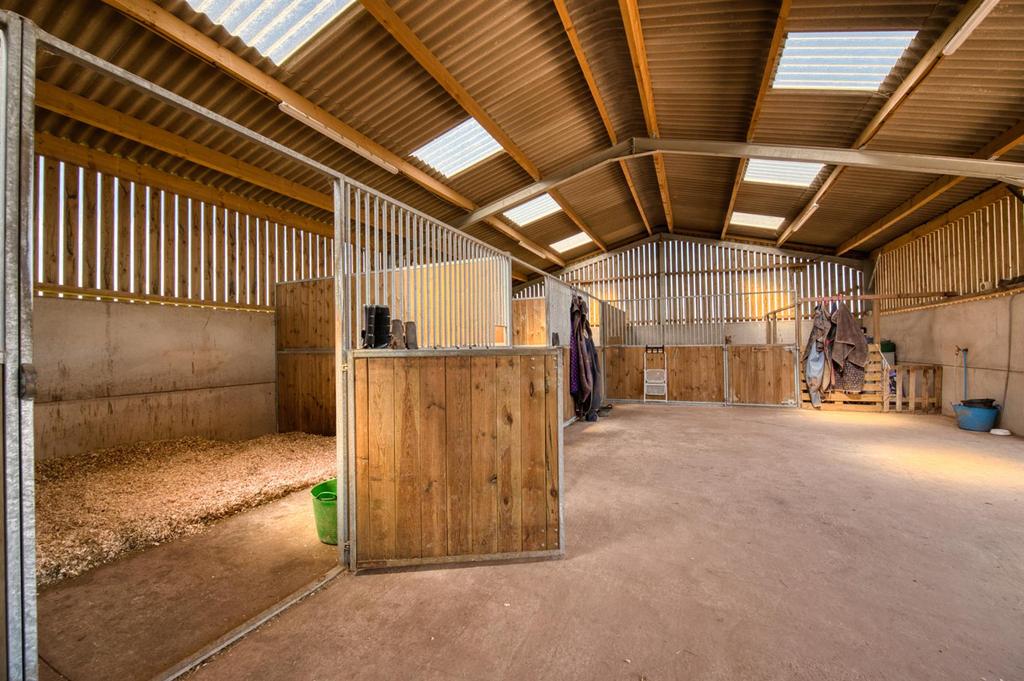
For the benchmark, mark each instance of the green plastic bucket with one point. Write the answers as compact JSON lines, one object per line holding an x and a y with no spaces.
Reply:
{"x":325,"y":510}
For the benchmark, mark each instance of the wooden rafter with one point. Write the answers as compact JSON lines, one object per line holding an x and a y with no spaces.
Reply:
{"x":771,"y":59}
{"x":666,"y":199}
{"x":641,"y":72}
{"x":51,"y":146}
{"x":60,"y":101}
{"x":595,"y":94}
{"x":170,"y":27}
{"x":404,"y":35}
{"x":577,"y":220}
{"x":638,"y":55}
{"x":924,"y":66}
{"x":400,"y":31}
{"x":991,"y":151}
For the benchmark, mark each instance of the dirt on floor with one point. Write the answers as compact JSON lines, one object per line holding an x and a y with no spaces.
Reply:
{"x":93,"y":508}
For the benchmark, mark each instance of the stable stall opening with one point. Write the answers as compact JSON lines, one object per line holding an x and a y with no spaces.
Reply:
{"x":162,"y":474}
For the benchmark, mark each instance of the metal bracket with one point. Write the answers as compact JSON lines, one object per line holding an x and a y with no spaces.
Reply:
{"x":28,"y":381}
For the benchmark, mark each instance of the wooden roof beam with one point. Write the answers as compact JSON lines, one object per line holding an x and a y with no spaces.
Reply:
{"x":771,"y":59}
{"x":924,"y":66}
{"x":91,"y":113}
{"x":641,"y":72}
{"x":176,"y":31}
{"x":595,"y":94}
{"x":991,"y":151}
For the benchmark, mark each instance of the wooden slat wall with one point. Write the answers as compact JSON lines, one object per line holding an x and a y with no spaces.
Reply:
{"x":977,"y":250}
{"x":99,"y":232}
{"x":305,"y":357}
{"x":456,"y":456}
{"x":761,"y":374}
{"x":529,"y":322}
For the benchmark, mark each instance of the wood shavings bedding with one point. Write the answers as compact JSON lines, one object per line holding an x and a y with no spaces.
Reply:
{"x":93,"y":508}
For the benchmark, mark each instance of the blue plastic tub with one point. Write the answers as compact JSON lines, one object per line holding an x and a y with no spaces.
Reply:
{"x":981,"y":419}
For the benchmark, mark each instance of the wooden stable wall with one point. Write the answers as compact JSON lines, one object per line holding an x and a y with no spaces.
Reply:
{"x":757,"y":374}
{"x":762,"y":374}
{"x":529,"y":322}
{"x":695,"y":373}
{"x":305,"y":357}
{"x":457,"y":455}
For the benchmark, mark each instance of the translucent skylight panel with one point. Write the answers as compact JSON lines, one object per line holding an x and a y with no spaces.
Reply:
{"x":276,"y":28}
{"x":754,"y":220}
{"x":788,"y":173}
{"x":847,"y":60}
{"x":571,"y":242}
{"x":463,"y":146}
{"x":533,"y":210}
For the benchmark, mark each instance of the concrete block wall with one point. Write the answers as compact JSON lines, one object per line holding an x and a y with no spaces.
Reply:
{"x":116,"y":373}
{"x":984,"y":328}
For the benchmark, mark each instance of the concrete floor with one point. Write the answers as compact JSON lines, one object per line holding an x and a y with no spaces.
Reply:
{"x":711,"y":543}
{"x":137,"y":616}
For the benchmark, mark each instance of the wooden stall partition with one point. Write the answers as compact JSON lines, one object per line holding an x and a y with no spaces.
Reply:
{"x":529,"y":322}
{"x":457,"y":456}
{"x":762,"y":374}
{"x":305,"y":357}
{"x":624,"y":372}
{"x":696,"y":373}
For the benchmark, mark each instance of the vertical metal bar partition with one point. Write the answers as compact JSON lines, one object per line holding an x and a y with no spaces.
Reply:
{"x":457,"y":290}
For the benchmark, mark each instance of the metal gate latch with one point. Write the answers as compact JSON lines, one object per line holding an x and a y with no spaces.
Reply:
{"x":28,"y":379}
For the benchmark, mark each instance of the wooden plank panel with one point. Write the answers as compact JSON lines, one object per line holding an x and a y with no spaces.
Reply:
{"x":553,"y":426}
{"x":458,"y":455}
{"x":169,"y":245}
{"x":533,"y":414}
{"x":509,"y":455}
{"x":432,"y":462}
{"x":362,"y":438}
{"x":381,"y":450}
{"x":231,"y":243}
{"x":305,"y":314}
{"x":195,"y":254}
{"x":89,"y":229}
{"x":124,"y":260}
{"x":70,"y":231}
{"x":529,"y":322}
{"x":51,"y":221}
{"x":105,"y":263}
{"x":407,"y":429}
{"x":306,"y":393}
{"x":484,"y":469}
{"x":695,"y":373}
{"x":140,"y":210}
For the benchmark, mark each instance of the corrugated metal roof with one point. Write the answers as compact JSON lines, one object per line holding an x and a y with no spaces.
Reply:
{"x":513,"y":57}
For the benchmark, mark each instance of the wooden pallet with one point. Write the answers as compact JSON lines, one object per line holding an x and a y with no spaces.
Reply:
{"x":872,"y":398}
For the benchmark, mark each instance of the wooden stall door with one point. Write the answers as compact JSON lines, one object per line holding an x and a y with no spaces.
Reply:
{"x":696,"y":373}
{"x":762,"y":374}
{"x":456,"y":458}
{"x":624,"y":372}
